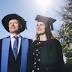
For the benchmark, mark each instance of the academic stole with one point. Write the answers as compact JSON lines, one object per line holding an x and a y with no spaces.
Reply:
{"x":5,"y":53}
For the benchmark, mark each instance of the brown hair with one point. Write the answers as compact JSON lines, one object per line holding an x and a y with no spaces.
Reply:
{"x":47,"y":32}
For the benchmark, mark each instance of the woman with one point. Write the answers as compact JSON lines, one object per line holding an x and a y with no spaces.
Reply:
{"x":47,"y":51}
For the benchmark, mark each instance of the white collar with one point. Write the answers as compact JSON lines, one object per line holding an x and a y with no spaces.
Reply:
{"x":13,"y":35}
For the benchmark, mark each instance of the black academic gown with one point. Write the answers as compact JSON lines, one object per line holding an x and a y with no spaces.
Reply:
{"x":47,"y":56}
{"x":14,"y":65}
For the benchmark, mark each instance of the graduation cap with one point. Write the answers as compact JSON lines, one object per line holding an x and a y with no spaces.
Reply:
{"x":47,"y":20}
{"x":9,"y":17}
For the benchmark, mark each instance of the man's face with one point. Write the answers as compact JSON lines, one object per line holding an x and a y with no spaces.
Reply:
{"x":14,"y":26}
{"x":40,"y":28}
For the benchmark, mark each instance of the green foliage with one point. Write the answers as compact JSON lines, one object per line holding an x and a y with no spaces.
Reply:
{"x":65,"y":32}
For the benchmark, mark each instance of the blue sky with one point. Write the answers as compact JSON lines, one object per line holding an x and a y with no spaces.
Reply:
{"x":28,"y":9}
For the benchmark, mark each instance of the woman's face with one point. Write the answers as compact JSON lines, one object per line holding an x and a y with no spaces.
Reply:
{"x":40,"y":28}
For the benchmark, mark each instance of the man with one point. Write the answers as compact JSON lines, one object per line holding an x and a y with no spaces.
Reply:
{"x":14,"y":50}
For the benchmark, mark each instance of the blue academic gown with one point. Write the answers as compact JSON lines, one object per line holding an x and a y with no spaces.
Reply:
{"x":16,"y":65}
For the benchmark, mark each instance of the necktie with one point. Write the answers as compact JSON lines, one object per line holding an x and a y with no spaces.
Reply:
{"x":15,"y":47}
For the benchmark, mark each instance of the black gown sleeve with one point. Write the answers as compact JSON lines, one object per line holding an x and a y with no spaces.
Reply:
{"x":61,"y":65}
{"x":29,"y":60}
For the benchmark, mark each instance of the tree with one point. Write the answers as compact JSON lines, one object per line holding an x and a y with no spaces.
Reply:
{"x":65,"y":32}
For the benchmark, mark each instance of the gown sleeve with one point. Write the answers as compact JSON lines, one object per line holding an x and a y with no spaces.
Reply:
{"x":0,"y":52}
{"x":60,"y":57}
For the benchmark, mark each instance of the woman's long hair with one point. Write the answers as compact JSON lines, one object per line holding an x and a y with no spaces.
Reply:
{"x":47,"y":32}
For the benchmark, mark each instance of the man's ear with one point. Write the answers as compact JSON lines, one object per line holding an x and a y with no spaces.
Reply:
{"x":20,"y":26}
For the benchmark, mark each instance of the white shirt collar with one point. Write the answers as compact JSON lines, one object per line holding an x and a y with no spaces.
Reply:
{"x":13,"y":35}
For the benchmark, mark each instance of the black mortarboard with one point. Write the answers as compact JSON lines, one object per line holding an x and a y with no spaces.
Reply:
{"x":47,"y":20}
